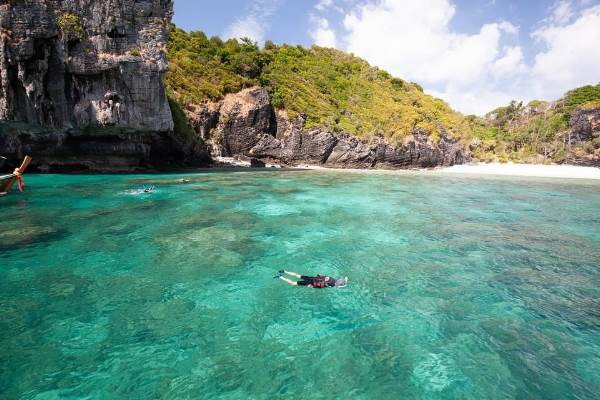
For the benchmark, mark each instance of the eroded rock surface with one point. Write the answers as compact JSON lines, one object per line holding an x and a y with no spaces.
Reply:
{"x":246,"y":124}
{"x":585,"y":124}
{"x":584,"y":128}
{"x":81,"y":83}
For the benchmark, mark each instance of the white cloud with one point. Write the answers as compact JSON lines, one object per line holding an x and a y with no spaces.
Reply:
{"x":511,"y":63}
{"x":570,"y":58}
{"x":562,"y":12}
{"x":476,"y":72}
{"x":486,"y":99}
{"x":413,"y":40}
{"x":338,"y":6}
{"x":255,"y":23}
{"x":322,"y":5}
{"x":508,"y":27}
{"x":321,"y":33}
{"x":247,"y":27}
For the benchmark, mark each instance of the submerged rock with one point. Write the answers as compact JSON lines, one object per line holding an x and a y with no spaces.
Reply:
{"x":24,"y":235}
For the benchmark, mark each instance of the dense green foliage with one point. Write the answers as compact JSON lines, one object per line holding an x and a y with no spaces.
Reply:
{"x":71,"y":26}
{"x":182,"y":126}
{"x":536,"y":132}
{"x":206,"y":69}
{"x":333,"y":89}
{"x":344,"y":93}
{"x":341,"y":92}
{"x":582,"y":96}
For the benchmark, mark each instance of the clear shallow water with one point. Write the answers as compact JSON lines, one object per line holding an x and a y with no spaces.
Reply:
{"x":460,"y":288}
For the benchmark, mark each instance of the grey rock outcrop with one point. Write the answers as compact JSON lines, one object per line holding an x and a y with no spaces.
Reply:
{"x":246,"y":124}
{"x":81,"y":83}
{"x":585,"y":124}
{"x":584,"y":129}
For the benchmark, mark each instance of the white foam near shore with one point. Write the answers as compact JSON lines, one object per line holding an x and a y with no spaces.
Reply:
{"x":534,"y":170}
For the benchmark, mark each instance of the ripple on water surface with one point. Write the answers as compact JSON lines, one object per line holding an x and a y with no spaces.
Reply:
{"x":459,"y":288}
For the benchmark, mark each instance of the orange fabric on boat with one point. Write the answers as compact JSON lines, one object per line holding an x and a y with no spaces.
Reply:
{"x":21,"y":183}
{"x":19,"y":176}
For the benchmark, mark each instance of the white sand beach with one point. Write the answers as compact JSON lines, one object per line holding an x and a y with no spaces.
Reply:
{"x":534,"y":170}
{"x":498,"y":169}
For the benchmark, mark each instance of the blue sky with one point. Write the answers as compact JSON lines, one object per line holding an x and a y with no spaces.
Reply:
{"x":291,"y":19}
{"x":476,"y":55}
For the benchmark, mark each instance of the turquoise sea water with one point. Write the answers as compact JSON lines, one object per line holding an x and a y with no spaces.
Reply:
{"x":460,"y":288}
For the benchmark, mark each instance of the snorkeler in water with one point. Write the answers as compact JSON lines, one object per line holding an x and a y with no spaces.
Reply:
{"x":317,"y":282}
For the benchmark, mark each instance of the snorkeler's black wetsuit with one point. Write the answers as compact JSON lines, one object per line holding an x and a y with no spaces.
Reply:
{"x":318,"y":282}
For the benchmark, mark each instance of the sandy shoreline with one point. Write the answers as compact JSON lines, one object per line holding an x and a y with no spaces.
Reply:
{"x":516,"y":170}
{"x":523,"y":170}
{"x":532,"y":170}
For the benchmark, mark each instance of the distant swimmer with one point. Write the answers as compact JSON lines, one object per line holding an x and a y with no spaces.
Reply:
{"x":149,"y":189}
{"x":317,"y":282}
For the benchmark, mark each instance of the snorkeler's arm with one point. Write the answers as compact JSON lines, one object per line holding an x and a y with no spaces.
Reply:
{"x":286,"y":280}
{"x":292,"y":274}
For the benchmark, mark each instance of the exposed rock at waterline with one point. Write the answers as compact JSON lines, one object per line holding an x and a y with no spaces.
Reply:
{"x":246,"y":124}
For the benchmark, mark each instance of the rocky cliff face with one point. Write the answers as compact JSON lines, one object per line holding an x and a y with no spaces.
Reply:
{"x":585,"y":124}
{"x":584,"y":128}
{"x":81,"y":85}
{"x":246,"y":124}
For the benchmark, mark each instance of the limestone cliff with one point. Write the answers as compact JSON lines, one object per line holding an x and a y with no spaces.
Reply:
{"x":246,"y":124}
{"x":81,"y":85}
